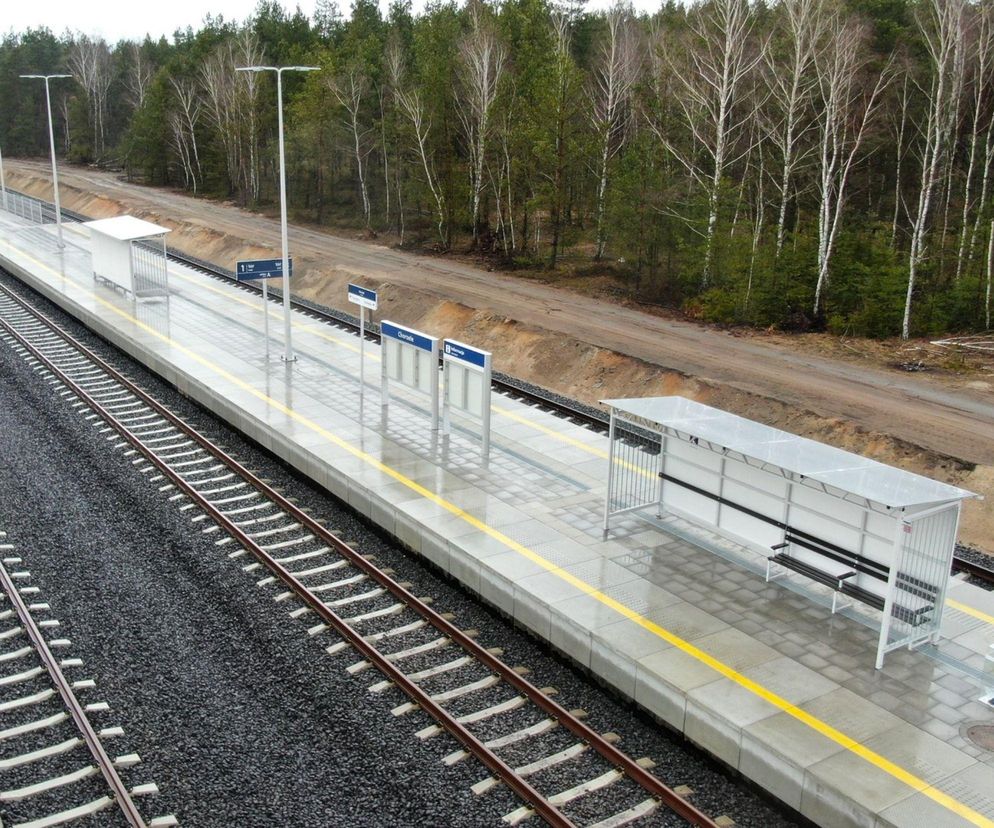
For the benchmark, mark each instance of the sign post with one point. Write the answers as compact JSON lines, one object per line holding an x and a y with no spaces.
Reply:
{"x":251,"y":269}
{"x":364,"y":298}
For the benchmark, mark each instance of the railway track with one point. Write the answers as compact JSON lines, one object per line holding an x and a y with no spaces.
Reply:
{"x":53,"y":754}
{"x":559,"y":767}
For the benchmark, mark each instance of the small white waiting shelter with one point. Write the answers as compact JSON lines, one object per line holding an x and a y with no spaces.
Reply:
{"x":131,"y":254}
{"x":870,"y":532}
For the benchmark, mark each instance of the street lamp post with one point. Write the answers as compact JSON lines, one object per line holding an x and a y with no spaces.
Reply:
{"x":3,"y":183}
{"x":51,"y":144}
{"x":288,"y":354}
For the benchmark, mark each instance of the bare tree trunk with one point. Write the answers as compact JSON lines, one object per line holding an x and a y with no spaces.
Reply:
{"x":943,"y":40}
{"x":184,"y":125}
{"x":757,"y":223}
{"x":386,"y":160}
{"x":139,"y":76}
{"x":90,"y":63}
{"x":898,"y":196}
{"x":562,"y":37}
{"x":990,"y":268}
{"x":792,"y":82}
{"x":413,"y":107}
{"x":482,"y":58}
{"x":710,"y":96}
{"x":846,"y":111}
{"x":350,"y":89}
{"x":981,"y":93}
{"x":616,"y":69}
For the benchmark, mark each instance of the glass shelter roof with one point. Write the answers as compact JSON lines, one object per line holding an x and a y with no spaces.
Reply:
{"x":885,"y":485}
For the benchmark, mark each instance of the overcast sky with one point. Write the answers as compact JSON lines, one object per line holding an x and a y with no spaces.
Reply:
{"x":118,"y":19}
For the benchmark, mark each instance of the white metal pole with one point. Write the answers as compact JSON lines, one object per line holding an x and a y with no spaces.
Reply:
{"x":288,"y":354}
{"x":265,"y":313}
{"x":3,"y":182}
{"x":610,"y":475}
{"x":362,"y":349}
{"x":55,"y":171}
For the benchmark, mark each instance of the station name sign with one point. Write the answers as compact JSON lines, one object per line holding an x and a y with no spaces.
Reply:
{"x":418,"y":340}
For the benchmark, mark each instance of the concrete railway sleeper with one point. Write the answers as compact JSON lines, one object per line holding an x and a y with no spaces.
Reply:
{"x":349,"y":595}
{"x":40,"y":746}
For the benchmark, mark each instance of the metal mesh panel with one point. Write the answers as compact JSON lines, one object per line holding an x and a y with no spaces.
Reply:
{"x":634,"y":477}
{"x":27,"y":208}
{"x":148,"y":268}
{"x":922,"y":569}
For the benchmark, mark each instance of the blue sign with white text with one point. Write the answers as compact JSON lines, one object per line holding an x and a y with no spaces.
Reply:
{"x":418,"y":340}
{"x":464,"y":353}
{"x":260,"y":269}
{"x":362,"y":296}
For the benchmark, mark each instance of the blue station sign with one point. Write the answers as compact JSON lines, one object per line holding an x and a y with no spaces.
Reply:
{"x":418,"y":340}
{"x":464,"y":353}
{"x":364,"y":297}
{"x":260,"y":269}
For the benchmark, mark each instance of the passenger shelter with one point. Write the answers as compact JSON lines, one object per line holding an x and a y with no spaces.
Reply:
{"x":868,"y":531}
{"x":130,"y":254}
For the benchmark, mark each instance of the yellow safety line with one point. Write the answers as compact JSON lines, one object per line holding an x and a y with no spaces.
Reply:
{"x":959,"y":605}
{"x":914,"y":782}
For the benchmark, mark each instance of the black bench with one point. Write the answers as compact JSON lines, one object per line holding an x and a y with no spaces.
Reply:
{"x":841,"y":582}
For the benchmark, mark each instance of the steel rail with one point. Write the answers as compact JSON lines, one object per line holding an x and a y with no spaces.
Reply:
{"x":523,"y":789}
{"x":121,"y":794}
{"x":974,"y":569}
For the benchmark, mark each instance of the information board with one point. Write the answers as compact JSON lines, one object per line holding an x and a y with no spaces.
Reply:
{"x":467,"y":372}
{"x":411,"y":359}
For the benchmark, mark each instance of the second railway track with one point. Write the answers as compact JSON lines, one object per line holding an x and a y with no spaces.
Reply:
{"x":516,"y":730}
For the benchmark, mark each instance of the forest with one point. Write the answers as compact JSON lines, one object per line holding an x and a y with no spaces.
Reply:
{"x":803,"y":164}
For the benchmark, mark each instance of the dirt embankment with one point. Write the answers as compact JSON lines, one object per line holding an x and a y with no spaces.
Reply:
{"x":551,"y":359}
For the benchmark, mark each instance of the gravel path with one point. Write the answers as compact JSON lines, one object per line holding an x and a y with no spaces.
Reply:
{"x":239,"y":717}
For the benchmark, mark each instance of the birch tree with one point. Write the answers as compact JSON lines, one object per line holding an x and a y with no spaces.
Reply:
{"x":350,"y":88}
{"x":139,"y":76}
{"x":183,"y":124}
{"x":982,"y":129}
{"x":942,"y":27}
{"x":792,"y":82}
{"x":710,"y":91}
{"x":850,"y":96}
{"x":412,"y":105}
{"x":482,"y":58}
{"x":89,"y":62}
{"x":565,"y":82}
{"x":617,"y":65}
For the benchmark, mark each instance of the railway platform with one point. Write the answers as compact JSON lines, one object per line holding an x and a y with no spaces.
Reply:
{"x":760,"y":674}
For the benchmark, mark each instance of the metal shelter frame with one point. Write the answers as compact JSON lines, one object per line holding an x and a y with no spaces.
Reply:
{"x":131,"y":254}
{"x":768,"y":489}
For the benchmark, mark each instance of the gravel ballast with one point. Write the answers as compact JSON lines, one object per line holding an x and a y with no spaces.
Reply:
{"x":240,"y":717}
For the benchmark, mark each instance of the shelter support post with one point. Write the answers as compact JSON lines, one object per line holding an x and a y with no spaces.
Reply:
{"x":610,"y":472}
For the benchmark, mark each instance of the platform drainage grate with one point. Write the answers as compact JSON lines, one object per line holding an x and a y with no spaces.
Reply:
{"x":982,"y":735}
